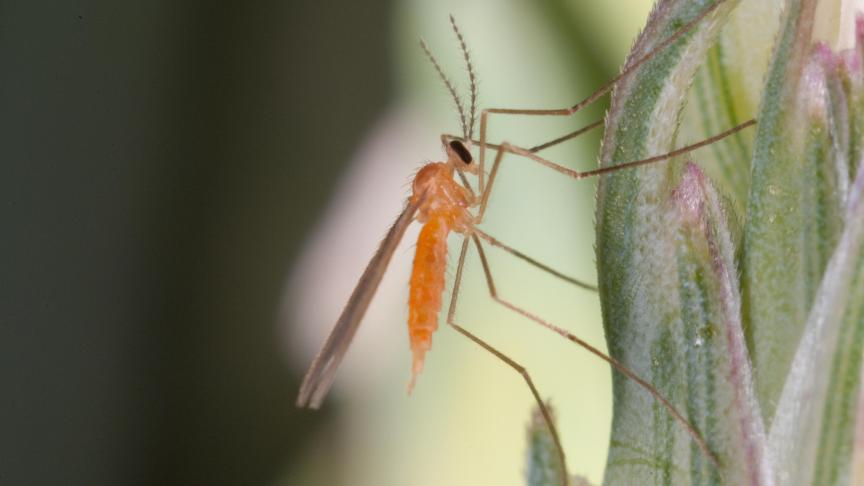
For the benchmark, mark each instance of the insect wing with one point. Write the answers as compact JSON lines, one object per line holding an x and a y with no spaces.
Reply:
{"x":322,"y":372}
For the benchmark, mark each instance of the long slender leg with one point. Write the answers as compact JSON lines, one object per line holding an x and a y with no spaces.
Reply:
{"x":518,"y":254}
{"x":537,"y":148}
{"x":484,"y":115}
{"x":564,"y":138}
{"x":513,"y":149}
{"x":617,"y":365}
{"x":506,"y":147}
{"x":451,"y":315}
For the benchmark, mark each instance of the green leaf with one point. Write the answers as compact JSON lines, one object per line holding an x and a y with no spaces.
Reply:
{"x":794,"y":211}
{"x":812,"y":438}
{"x":543,"y":467}
{"x":674,"y":307}
{"x":857,"y":462}
{"x":726,"y":91}
{"x":668,"y":282}
{"x":853,"y":84}
{"x":720,"y":396}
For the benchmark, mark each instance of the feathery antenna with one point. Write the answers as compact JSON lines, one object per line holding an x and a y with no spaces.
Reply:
{"x":472,"y":79}
{"x":449,"y":85}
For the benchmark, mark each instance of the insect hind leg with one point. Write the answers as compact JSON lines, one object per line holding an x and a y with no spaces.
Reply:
{"x":617,"y":365}
{"x":544,"y":410}
{"x":593,"y":97}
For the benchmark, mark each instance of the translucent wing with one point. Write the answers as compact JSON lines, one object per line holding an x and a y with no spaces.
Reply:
{"x":319,"y":378}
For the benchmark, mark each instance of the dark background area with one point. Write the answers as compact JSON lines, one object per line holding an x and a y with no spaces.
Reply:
{"x":160,"y":166}
{"x":163,"y":163}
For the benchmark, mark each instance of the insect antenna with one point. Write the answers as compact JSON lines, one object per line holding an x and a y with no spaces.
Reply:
{"x":472,"y":79}
{"x":447,"y":83}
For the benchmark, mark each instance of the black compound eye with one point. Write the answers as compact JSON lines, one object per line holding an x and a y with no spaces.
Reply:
{"x":461,"y":151}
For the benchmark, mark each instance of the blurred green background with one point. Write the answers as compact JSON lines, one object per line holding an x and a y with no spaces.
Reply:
{"x":189,"y":193}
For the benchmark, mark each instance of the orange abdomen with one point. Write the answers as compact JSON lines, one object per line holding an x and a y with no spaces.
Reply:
{"x":426,"y":289}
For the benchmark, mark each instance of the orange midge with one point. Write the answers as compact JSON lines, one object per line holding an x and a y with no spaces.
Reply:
{"x":444,"y":205}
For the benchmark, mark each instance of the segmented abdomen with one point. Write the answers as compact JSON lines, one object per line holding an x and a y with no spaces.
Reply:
{"x":427,"y":286}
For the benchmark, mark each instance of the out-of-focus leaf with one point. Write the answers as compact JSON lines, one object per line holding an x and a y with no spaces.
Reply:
{"x":854,"y":85}
{"x":858,"y":444}
{"x":543,"y":467}
{"x":813,"y":435}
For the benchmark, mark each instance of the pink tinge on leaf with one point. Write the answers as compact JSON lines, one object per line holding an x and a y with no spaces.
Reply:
{"x":853,"y":58}
{"x":699,"y":208}
{"x":859,"y":28}
{"x":689,"y":195}
{"x":822,"y":51}
{"x":813,"y":89}
{"x":857,"y":53}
